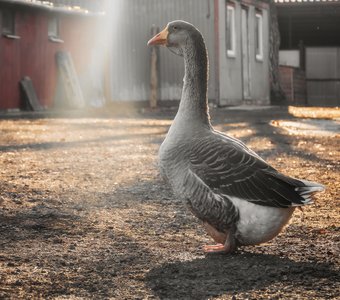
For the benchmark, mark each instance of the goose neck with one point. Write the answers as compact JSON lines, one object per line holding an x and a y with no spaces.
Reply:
{"x":194,"y":101}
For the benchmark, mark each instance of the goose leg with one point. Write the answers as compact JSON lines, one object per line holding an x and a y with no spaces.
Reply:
{"x":219,"y":248}
{"x":226,"y":242}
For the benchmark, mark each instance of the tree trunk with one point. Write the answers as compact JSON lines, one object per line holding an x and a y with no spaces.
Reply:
{"x":277,"y":95}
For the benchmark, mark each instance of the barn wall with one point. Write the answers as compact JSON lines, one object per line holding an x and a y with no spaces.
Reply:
{"x":33,"y":54}
{"x":9,"y":70}
{"x":131,"y":56}
{"x":83,"y":38}
{"x":36,"y":53}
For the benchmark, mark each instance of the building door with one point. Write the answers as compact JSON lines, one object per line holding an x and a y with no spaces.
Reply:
{"x":245,"y":55}
{"x":323,"y":76}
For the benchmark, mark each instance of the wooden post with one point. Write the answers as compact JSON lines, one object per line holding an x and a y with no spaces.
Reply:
{"x":154,"y":72}
{"x":217,"y":52}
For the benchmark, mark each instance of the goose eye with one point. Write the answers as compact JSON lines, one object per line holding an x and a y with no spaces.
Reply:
{"x":175,"y":28}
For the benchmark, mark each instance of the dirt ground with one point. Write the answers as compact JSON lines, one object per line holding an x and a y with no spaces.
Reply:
{"x":85,"y":215}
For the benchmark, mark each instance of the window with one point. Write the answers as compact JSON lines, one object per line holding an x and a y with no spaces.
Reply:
{"x":8,"y":22}
{"x":230,"y":31}
{"x":258,"y":37}
{"x":53,"y":27}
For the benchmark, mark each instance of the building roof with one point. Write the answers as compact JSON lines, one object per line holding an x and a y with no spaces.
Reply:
{"x":62,"y":6}
{"x":301,"y":2}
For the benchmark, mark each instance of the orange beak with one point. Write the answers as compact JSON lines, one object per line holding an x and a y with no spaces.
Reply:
{"x":160,"y":38}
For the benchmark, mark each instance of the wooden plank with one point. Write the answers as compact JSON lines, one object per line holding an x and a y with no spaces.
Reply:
{"x":69,"y":80}
{"x":30,"y":99}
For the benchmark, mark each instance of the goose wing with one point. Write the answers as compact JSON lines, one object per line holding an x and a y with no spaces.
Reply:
{"x":228,"y":167}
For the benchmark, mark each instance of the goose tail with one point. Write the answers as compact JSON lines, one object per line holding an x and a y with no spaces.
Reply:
{"x":308,"y":190}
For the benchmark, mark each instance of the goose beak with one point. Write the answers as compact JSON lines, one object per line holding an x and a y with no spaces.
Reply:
{"x":160,"y":38}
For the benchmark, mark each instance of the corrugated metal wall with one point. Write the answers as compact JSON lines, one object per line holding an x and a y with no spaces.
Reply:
{"x":131,"y":22}
{"x":323,"y":76}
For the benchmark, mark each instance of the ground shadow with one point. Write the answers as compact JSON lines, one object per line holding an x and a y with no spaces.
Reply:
{"x":73,"y":144}
{"x":38,"y":223}
{"x":69,"y":255}
{"x":219,"y":275}
{"x":259,"y":123}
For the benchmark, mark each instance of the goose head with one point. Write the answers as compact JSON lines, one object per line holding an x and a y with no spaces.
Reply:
{"x":175,"y":36}
{"x":185,"y":40}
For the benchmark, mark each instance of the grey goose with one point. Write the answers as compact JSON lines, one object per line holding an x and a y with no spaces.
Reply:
{"x":240,"y":198}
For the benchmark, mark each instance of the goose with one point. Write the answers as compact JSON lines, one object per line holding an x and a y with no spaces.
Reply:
{"x":240,"y":199}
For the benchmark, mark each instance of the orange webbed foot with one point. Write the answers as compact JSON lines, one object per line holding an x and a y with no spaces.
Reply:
{"x":218,"y":248}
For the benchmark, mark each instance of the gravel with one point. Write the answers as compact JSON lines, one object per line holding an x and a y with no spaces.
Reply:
{"x":84,"y":213}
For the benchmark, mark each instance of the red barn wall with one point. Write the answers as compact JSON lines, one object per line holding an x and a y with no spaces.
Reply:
{"x":33,"y":54}
{"x":9,"y":71}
